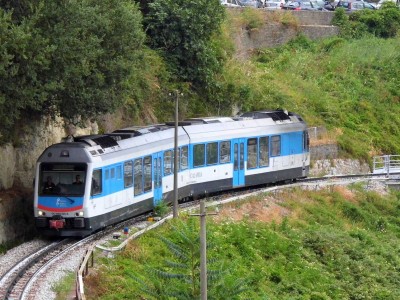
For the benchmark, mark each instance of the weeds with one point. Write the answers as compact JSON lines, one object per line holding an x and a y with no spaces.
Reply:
{"x":339,"y":246}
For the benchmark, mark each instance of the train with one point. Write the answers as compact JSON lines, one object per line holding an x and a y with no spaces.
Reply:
{"x":94,"y":181}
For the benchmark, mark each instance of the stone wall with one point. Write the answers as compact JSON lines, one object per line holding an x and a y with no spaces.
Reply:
{"x":313,"y":24}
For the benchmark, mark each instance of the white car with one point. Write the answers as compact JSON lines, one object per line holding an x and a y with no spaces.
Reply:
{"x":274,"y":4}
{"x":230,"y":3}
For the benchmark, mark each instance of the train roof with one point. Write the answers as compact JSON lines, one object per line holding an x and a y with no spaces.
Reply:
{"x":127,"y":137}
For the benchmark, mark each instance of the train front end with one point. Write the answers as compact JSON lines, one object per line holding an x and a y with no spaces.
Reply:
{"x":61,"y":187}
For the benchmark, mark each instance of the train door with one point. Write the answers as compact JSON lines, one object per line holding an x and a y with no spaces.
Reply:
{"x":238,"y":162}
{"x":157,"y":165}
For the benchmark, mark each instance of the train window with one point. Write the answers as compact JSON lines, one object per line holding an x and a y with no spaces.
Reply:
{"x":212,"y":153}
{"x":128,"y":174}
{"x":235,"y":157}
{"x":184,"y":157}
{"x":198,"y":155}
{"x":118,"y":172}
{"x":263,"y":152}
{"x":112,"y":172}
{"x":241,"y":163}
{"x":138,"y":176}
{"x":107,"y":174}
{"x":252,"y":153}
{"x":275,"y":145}
{"x":224,"y":152}
{"x":168,"y":162}
{"x":62,"y":179}
{"x":147,"y":173}
{"x":97,"y":183}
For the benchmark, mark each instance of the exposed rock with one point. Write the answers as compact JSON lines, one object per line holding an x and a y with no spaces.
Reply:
{"x":16,"y":215}
{"x":17,"y":166}
{"x":338,"y":167}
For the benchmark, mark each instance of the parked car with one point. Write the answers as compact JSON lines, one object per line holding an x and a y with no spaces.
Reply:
{"x":274,"y":4}
{"x":230,"y":3}
{"x":302,"y":5}
{"x":251,"y":3}
{"x":330,"y":5}
{"x":351,"y":5}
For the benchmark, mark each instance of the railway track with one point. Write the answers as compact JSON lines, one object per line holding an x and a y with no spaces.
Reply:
{"x":14,"y":283}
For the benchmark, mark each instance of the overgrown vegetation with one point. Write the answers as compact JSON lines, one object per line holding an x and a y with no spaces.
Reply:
{"x":348,"y":83}
{"x":336,"y":243}
{"x":383,"y":23}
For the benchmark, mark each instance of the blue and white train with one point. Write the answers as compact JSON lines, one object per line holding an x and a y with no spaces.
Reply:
{"x":129,"y":171}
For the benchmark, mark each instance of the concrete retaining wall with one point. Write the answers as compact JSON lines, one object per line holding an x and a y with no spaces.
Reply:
{"x":313,"y":24}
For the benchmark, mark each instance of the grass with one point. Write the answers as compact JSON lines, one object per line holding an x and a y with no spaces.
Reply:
{"x":338,"y":243}
{"x":349,"y":87}
{"x":65,"y":287}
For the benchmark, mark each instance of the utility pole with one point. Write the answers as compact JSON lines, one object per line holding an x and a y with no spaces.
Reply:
{"x":203,"y":249}
{"x":176,"y":154}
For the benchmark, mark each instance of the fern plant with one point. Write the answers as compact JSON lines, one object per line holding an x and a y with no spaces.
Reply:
{"x":179,"y":277}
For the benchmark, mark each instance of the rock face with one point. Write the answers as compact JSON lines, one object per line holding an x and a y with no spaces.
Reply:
{"x":338,"y":167}
{"x":17,"y":171}
{"x":16,"y":215}
{"x":17,"y":164}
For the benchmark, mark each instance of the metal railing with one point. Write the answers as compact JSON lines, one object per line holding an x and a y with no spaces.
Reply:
{"x":386,"y":164}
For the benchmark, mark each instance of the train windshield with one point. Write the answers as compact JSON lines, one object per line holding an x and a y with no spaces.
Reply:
{"x":62,"y":179}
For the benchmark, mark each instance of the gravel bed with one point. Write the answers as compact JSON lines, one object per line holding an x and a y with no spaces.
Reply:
{"x":50,"y":278}
{"x":16,"y":254}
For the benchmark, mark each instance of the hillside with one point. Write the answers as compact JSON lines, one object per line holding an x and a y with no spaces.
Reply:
{"x":336,"y":243}
{"x":349,"y":86}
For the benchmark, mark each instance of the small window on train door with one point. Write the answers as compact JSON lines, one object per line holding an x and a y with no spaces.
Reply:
{"x":212,"y":153}
{"x":276,"y":145}
{"x":97,"y":184}
{"x":128,"y":173}
{"x":138,"y":176}
{"x":184,"y":158}
{"x":147,"y":173}
{"x":306,"y":141}
{"x":263,"y":152}
{"x":118,"y":172}
{"x":198,"y":155}
{"x":252,"y":153}
{"x":224,"y":152}
{"x":112,"y":173}
{"x":168,"y":162}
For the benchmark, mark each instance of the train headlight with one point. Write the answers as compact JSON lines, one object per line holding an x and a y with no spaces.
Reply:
{"x":41,"y":213}
{"x":80,"y":214}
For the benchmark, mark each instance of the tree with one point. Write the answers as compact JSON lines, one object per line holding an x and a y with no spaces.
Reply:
{"x":72,"y":57}
{"x":97,"y":47}
{"x":182,"y":30}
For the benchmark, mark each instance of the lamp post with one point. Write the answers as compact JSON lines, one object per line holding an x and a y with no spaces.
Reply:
{"x":176,"y":154}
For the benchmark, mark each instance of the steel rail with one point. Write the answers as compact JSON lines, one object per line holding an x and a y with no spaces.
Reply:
{"x":9,"y":280}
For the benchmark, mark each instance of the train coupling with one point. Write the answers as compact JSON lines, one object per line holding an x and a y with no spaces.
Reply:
{"x":57,"y":224}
